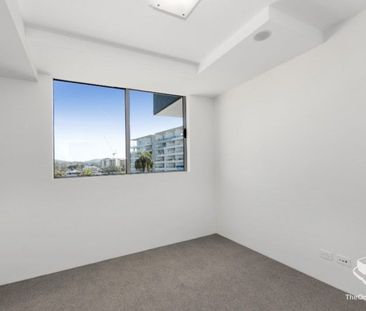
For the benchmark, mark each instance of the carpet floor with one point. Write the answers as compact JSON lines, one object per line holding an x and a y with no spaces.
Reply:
{"x":210,"y":273}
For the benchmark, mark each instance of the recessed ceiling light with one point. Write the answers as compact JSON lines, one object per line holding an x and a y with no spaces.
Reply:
{"x":262,"y":35}
{"x":180,"y":8}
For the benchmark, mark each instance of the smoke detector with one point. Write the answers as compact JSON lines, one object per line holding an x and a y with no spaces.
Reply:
{"x":180,"y":8}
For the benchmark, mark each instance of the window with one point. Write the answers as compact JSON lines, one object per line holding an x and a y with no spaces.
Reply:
{"x":101,"y":130}
{"x":156,"y":129}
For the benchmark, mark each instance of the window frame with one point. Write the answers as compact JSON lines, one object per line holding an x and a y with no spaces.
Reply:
{"x":127,"y":120}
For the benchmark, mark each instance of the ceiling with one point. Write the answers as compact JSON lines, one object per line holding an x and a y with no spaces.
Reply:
{"x":134,"y":23}
{"x":128,"y":43}
{"x":15,"y":59}
{"x":322,"y":14}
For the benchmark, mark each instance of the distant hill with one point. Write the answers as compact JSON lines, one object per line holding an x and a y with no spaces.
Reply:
{"x":72,"y":162}
{"x":93,"y":162}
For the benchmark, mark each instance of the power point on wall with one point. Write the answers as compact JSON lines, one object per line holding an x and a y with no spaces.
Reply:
{"x":326,"y":255}
{"x":344,"y":261}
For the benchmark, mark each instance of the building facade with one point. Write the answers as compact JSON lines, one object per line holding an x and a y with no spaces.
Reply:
{"x":167,"y":148}
{"x":108,"y":163}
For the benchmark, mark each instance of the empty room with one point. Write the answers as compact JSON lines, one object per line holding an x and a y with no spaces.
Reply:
{"x":182,"y":155}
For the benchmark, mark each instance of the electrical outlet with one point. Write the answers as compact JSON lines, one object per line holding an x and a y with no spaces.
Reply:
{"x":326,"y":255}
{"x":344,"y":261}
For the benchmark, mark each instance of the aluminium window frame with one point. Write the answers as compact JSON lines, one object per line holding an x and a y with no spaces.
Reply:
{"x":127,"y":129}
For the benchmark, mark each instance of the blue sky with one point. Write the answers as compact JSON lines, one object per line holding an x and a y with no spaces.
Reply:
{"x":89,"y":120}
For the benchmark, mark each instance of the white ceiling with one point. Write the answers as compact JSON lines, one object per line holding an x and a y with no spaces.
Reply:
{"x":14,"y":55}
{"x":129,"y":44}
{"x":135,"y":23}
{"x":322,"y":13}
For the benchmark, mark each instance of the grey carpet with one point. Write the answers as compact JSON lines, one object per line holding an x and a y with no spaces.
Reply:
{"x":210,"y":273}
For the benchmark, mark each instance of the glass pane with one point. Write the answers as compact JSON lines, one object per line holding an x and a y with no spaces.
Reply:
{"x":89,"y":130}
{"x":156,"y":123}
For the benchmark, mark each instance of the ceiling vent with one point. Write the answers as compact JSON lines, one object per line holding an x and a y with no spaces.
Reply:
{"x":179,"y":8}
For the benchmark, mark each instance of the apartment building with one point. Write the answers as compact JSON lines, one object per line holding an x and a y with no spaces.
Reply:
{"x":167,"y":150}
{"x":107,"y":163}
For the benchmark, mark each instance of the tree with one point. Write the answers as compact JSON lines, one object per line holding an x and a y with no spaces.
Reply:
{"x":87,"y":172}
{"x":59,"y":173}
{"x":112,"y":170}
{"x":144,"y":163}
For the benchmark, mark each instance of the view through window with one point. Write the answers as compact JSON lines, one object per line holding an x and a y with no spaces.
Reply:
{"x":157,"y":143}
{"x":101,"y":130}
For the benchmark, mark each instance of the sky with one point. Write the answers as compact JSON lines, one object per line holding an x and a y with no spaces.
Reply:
{"x":89,"y":121}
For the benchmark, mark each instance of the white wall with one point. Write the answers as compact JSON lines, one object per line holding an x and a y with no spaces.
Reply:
{"x":290,"y":171}
{"x":291,"y":159}
{"x":48,"y":225}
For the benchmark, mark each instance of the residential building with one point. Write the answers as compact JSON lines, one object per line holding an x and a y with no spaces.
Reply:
{"x":108,"y":162}
{"x":167,"y":148}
